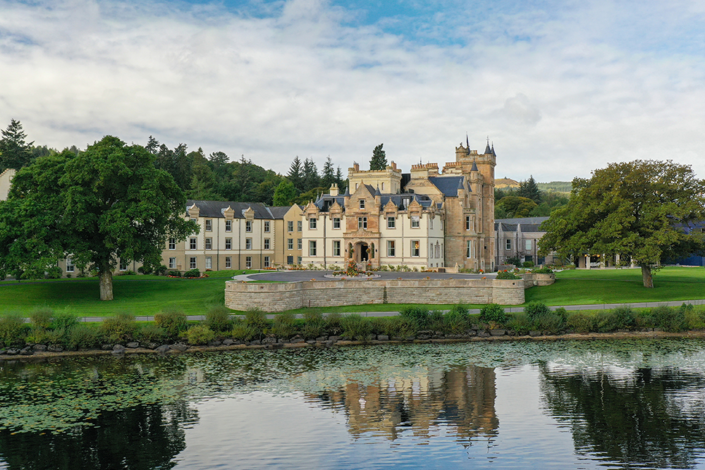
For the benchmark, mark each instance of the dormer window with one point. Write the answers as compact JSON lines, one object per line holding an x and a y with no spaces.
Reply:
{"x":362,"y":203}
{"x":312,"y":224}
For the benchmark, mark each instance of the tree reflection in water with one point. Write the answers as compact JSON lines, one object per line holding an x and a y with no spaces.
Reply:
{"x":648,"y":416}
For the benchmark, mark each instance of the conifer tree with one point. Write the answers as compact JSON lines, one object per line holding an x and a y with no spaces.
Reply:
{"x":529,"y":189}
{"x":296,"y":175}
{"x":379,"y":158}
{"x":14,"y":151}
{"x":328,"y":174}
{"x":310,"y":177}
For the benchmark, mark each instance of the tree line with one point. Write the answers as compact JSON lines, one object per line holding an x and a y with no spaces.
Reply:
{"x":526,"y":201}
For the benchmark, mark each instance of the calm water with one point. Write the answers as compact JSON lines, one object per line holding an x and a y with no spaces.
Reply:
{"x":627,"y":404}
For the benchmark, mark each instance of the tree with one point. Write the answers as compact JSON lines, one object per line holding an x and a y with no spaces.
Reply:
{"x":296,"y":175}
{"x":515,"y":206}
{"x":328,"y":174}
{"x":285,"y":193}
{"x":379,"y":158}
{"x":14,"y":151}
{"x":340,"y":181}
{"x":310,"y":175}
{"x":635,"y":209}
{"x":106,"y":204}
{"x":529,"y":189}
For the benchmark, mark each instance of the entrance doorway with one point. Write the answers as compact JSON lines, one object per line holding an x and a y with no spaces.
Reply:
{"x":362,"y":251}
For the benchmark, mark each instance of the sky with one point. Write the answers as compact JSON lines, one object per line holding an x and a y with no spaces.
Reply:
{"x":560,"y":87}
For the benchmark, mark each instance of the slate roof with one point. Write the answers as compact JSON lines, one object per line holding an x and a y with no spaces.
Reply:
{"x":397,"y":199}
{"x":525,"y":227}
{"x":278,"y":212}
{"x":215,"y":209}
{"x":448,"y":185}
{"x":523,"y":220}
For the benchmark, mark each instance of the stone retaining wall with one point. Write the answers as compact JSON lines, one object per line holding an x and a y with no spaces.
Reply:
{"x":531,"y":279}
{"x":278,"y":297}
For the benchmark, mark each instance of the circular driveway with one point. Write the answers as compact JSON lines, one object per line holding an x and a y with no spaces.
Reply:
{"x":297,"y":276}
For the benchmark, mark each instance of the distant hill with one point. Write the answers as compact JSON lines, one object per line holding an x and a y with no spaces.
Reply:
{"x":505,"y":183}
{"x":556,"y":186}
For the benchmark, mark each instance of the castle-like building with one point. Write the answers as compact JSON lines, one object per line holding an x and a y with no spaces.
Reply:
{"x":426,"y":218}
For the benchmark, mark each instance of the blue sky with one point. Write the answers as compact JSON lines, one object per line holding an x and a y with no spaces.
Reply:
{"x":561,"y":87}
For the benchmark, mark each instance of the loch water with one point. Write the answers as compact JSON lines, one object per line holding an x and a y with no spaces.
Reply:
{"x":562,"y":404}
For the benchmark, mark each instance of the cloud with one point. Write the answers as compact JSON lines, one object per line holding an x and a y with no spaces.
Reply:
{"x":561,"y":89}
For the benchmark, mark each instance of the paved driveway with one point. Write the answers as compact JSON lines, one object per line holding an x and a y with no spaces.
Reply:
{"x":296,"y":276}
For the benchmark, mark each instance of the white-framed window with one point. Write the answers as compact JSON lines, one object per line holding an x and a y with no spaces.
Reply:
{"x":209,"y":243}
{"x":299,"y":244}
{"x":192,"y":243}
{"x":266,"y":243}
{"x":192,"y":263}
{"x":299,"y":226}
{"x":266,"y":226}
{"x":70,"y":267}
{"x":362,"y":203}
{"x":391,"y":248}
{"x":430,"y":251}
{"x":527,"y":245}
{"x":336,"y":222}
{"x":469,"y":250}
{"x":312,"y":248}
{"x":209,"y":225}
{"x":228,"y":225}
{"x":228,"y":262}
{"x":290,"y":226}
{"x":172,"y":263}
{"x":248,"y":226}
{"x":228,"y":243}
{"x":290,"y":244}
{"x":415,"y":221}
{"x":248,"y":243}
{"x":415,"y":248}
{"x":123,"y":265}
{"x":266,"y":261}
{"x":172,"y":243}
{"x":336,"y":247}
{"x":209,"y":262}
{"x":362,"y":223}
{"x":438,"y":250}
{"x":391,"y":222}
{"x":468,"y":223}
{"x":248,"y":262}
{"x":312,"y":223}
{"x":509,"y":244}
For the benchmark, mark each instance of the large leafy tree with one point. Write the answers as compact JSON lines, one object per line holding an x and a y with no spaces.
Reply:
{"x":285,"y":193}
{"x":379,"y":158}
{"x":637,"y":210}
{"x":14,"y":151}
{"x":103,"y":205}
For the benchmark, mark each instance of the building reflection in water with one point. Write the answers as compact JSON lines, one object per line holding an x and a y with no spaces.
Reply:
{"x":459,"y":400}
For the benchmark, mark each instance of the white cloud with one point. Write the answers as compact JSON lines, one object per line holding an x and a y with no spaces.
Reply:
{"x":559,"y":93}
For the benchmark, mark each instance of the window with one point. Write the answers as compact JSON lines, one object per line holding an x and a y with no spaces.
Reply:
{"x":290,"y":244}
{"x":248,"y":262}
{"x":290,"y":226}
{"x":209,"y":225}
{"x":336,"y":247}
{"x":123,"y":265}
{"x":356,"y":185}
{"x":415,"y":248}
{"x":509,"y":244}
{"x":194,"y":221}
{"x":299,"y":244}
{"x":209,"y":243}
{"x":192,"y":263}
{"x":266,"y":243}
{"x":391,"y":251}
{"x":415,"y":221}
{"x":248,"y":243}
{"x":228,"y":243}
{"x":382,"y":186}
{"x":467,"y":223}
{"x":391,"y":222}
{"x":266,"y":226}
{"x":469,"y":251}
{"x":266,"y":261}
{"x":438,"y":250}
{"x":527,"y":244}
{"x":209,"y":262}
{"x":362,"y":223}
{"x":228,"y":262}
{"x":192,"y":244}
{"x":430,"y":223}
{"x":312,"y":223}
{"x":69,"y":265}
{"x":299,"y":226}
{"x":248,"y":226}
{"x":172,"y":243}
{"x":336,"y":223}
{"x":312,"y":248}
{"x":299,"y":259}
{"x":172,"y":263}
{"x":430,"y":251}
{"x":362,"y":203}
{"x":228,"y":225}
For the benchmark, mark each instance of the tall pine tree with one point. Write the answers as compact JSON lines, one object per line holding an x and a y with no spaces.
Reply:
{"x":296,"y":175}
{"x":14,"y":152}
{"x":310,"y":177}
{"x":379,"y":158}
{"x":328,"y":174}
{"x":529,"y":189}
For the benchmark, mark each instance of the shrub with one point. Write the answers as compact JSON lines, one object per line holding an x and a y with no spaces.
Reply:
{"x":192,"y":273}
{"x":314,"y":324}
{"x":256,"y":318}
{"x":151,"y":333}
{"x":580,"y":322}
{"x":199,"y":334}
{"x":624,"y":318}
{"x":284,"y":325}
{"x":175,"y":273}
{"x":54,"y":272}
{"x":218,"y":319}
{"x":11,"y":328}
{"x":84,"y":337}
{"x":243,"y":332}
{"x":670,"y":319}
{"x":57,"y":337}
{"x":493,"y":313}
{"x":507,"y":275}
{"x":173,"y":320}
{"x":38,"y":336}
{"x":333,"y":323}
{"x":533,"y":310}
{"x":550,"y":322}
{"x":146,"y":269}
{"x":646,"y":319}
{"x":356,"y":327}
{"x":605,"y":321}
{"x":161,"y":270}
{"x":519,"y":322}
{"x":119,"y":327}
{"x":545,"y":270}
{"x":41,"y":317}
{"x":64,"y":320}
{"x":416,"y":314}
{"x":396,"y":326}
{"x":694,"y":320}
{"x":436,"y":320}
{"x":528,"y":264}
{"x":457,"y":320}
